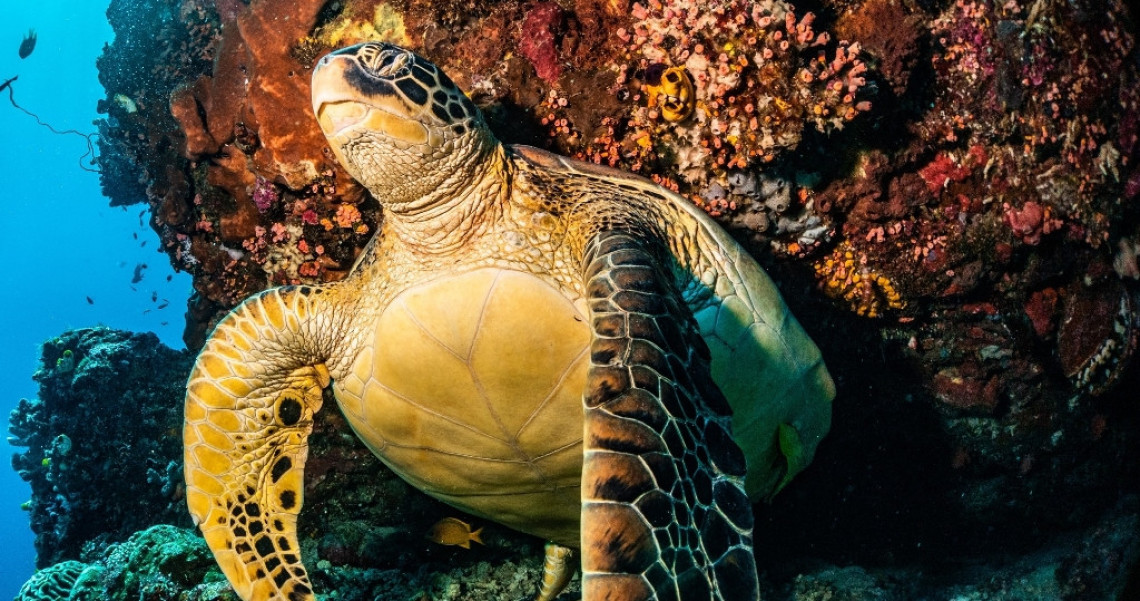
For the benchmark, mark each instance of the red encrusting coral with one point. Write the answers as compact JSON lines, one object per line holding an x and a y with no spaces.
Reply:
{"x":538,"y":40}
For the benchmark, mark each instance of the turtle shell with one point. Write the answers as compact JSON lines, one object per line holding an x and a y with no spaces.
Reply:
{"x":472,"y":391}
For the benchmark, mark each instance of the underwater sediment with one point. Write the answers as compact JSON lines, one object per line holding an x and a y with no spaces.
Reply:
{"x":946,"y":191}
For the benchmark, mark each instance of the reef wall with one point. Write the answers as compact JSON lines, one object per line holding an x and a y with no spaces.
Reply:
{"x":945,"y":190}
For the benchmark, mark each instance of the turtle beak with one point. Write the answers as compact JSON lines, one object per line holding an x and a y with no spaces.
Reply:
{"x":333,"y":104}
{"x":335,"y":117}
{"x":347,"y":97}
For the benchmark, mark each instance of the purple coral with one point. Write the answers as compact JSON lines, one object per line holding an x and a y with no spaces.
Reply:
{"x":264,"y":194}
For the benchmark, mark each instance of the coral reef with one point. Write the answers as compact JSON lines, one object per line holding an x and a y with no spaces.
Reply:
{"x":946,"y":190}
{"x":102,"y":439}
{"x":223,"y":137}
{"x":55,"y":582}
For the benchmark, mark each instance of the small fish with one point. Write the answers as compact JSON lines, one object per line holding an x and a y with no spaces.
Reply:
{"x":169,"y":277}
{"x":154,"y":297}
{"x":135,"y":235}
{"x":143,"y":245}
{"x":165,"y":304}
{"x":454,"y":531}
{"x":90,"y":301}
{"x":29,"y":44}
{"x":138,"y":276}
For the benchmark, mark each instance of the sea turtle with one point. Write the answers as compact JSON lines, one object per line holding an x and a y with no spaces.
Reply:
{"x":566,"y":349}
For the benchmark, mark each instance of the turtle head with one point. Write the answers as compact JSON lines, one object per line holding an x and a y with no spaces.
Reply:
{"x":396,"y":122}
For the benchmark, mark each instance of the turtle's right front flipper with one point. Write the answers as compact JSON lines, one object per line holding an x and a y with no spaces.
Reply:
{"x":664,"y":513}
{"x":250,"y":401}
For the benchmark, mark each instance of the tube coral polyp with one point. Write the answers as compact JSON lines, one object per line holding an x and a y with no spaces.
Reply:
{"x":845,"y":274}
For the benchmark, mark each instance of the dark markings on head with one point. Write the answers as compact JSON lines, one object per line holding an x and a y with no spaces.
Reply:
{"x":253,"y":510}
{"x":288,"y":499}
{"x":382,"y":70}
{"x":414,"y":91}
{"x":289,"y":411}
{"x":242,"y":548}
{"x":280,"y":578}
{"x":422,"y":73}
{"x":255,"y":528}
{"x":439,"y":112}
{"x":278,"y":525}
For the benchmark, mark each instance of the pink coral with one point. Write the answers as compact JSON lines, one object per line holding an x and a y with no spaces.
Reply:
{"x":280,"y":233}
{"x":1031,"y":221}
{"x":944,"y":169}
{"x":347,"y":215}
{"x":264,"y":194}
{"x":538,"y":43}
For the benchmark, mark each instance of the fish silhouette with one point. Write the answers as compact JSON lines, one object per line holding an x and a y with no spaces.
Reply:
{"x":29,"y":44}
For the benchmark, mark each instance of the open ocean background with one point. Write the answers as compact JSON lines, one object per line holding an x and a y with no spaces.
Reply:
{"x":63,"y":243}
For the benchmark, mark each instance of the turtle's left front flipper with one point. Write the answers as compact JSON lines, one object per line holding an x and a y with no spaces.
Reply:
{"x":664,"y":513}
{"x":250,"y":402}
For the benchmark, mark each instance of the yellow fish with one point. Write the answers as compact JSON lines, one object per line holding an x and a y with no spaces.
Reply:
{"x":454,"y":531}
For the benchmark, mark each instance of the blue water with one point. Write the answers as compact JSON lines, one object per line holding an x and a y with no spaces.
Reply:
{"x":62,"y":241}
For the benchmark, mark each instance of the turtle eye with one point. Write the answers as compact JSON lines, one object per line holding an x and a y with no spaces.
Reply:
{"x":288,"y":410}
{"x":383,"y":60}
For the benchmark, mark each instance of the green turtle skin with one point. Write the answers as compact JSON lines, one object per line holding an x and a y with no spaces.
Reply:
{"x":568,"y":350}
